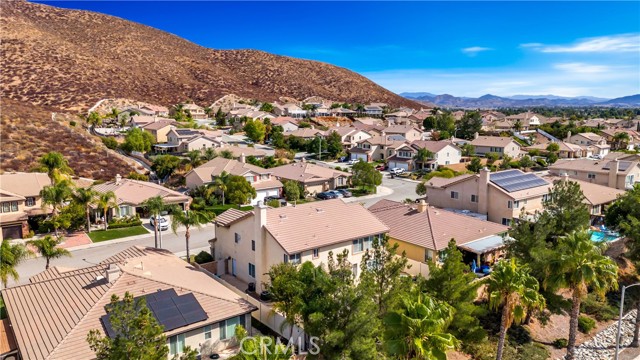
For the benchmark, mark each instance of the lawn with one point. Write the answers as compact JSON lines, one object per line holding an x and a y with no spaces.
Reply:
{"x":102,"y":235}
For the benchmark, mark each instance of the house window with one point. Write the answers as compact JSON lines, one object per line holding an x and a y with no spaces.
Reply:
{"x":31,"y":201}
{"x":228,"y":327}
{"x":591,"y":175}
{"x":124,"y":210}
{"x":237,"y":237}
{"x":428,"y":255}
{"x":513,"y":204}
{"x":362,"y":244}
{"x":207,"y":332}
{"x":354,"y":269}
{"x":9,"y":206}
{"x":252,"y":270}
{"x":316,"y":253}
{"x":506,"y":221}
{"x":404,"y":154}
{"x":253,"y":245}
{"x":455,"y":195}
{"x":176,"y":344}
{"x":474,"y":198}
{"x":294,"y":259}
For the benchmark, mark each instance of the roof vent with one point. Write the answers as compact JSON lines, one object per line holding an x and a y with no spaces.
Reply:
{"x":283,"y":216}
{"x":319,"y":210}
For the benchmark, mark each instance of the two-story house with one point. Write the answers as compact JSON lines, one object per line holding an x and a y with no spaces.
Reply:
{"x":249,"y":243}
{"x":350,"y":136}
{"x":444,"y":153}
{"x":594,"y":142}
{"x":484,"y":145}
{"x":409,"y":132}
{"x":313,"y":178}
{"x":373,"y":110}
{"x":20,"y":200}
{"x":618,"y":174}
{"x":377,"y":148}
{"x":156,"y":110}
{"x":261,"y":179}
{"x":196,"y":111}
{"x":184,"y":140}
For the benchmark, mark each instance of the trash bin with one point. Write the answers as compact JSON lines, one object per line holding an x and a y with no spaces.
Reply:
{"x":252,"y":286}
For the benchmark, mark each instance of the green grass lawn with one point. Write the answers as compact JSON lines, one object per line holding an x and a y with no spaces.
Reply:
{"x":101,"y":235}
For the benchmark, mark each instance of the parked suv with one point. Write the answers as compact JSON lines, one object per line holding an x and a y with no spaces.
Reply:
{"x":163,"y":224}
{"x":326,"y":195}
{"x":397,"y":171}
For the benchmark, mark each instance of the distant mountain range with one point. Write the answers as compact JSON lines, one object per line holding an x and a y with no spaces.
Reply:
{"x":491,"y":101}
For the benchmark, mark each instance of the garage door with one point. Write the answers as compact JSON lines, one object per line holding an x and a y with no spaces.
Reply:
{"x":261,"y":194}
{"x":12,"y":232}
{"x":357,"y":156}
{"x":401,"y":165}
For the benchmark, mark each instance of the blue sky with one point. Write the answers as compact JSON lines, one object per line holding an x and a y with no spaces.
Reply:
{"x":462,"y":48}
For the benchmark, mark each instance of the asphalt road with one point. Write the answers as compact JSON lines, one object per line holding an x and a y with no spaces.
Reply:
{"x":90,"y":256}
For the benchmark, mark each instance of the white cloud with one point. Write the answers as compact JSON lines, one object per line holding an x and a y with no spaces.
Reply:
{"x":577,"y":67}
{"x":474,"y":50}
{"x":601,"y":44}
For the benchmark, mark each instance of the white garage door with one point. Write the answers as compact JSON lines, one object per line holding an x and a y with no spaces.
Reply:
{"x":261,"y":194}
{"x":401,"y":165}
{"x":358,"y":156}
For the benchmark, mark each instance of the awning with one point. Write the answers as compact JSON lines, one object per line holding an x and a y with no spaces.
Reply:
{"x":484,"y":245}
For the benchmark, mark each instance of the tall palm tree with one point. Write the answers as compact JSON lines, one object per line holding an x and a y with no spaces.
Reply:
{"x":55,"y":165}
{"x":55,"y":196}
{"x":194,"y":157}
{"x":621,"y":139}
{"x":105,"y":201}
{"x":579,"y":264}
{"x":418,"y":329}
{"x":188,"y":219}
{"x":422,"y":156}
{"x":85,"y":197}
{"x":48,"y":249}
{"x":220,"y":183}
{"x":516,"y":291}
{"x":10,"y":257}
{"x":210,"y":154}
{"x":155,"y":206}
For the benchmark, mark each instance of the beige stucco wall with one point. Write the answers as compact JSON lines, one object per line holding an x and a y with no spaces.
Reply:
{"x":451,"y":154}
{"x":512,"y":150}
{"x":161,"y":134}
{"x":227,"y":247}
{"x":442,"y":197}
{"x":198,"y":144}
{"x":600,"y":177}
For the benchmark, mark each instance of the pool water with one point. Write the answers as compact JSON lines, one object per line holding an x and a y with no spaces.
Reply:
{"x":599,"y":236}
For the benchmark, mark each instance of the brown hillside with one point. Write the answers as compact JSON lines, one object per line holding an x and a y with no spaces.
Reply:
{"x":70,"y":59}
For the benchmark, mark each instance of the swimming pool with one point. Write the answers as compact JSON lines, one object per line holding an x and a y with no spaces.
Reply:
{"x":599,"y":236}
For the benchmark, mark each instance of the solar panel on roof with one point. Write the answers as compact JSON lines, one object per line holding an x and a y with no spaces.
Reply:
{"x":515,"y":180}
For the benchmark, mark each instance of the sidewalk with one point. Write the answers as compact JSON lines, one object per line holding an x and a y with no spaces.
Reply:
{"x":382,"y":191}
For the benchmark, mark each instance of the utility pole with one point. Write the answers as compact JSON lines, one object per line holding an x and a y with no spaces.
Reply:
{"x":620,"y":319}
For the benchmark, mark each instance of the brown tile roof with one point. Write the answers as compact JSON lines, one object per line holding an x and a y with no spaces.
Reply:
{"x":495,"y":141}
{"x":157,"y":125}
{"x":134,"y":192}
{"x":440,"y":182}
{"x":594,"y":194}
{"x":305,"y":133}
{"x":247,"y":151}
{"x":9,"y":196}
{"x":51,"y":318}
{"x":215,"y":167}
{"x":323,"y":223}
{"x":7,"y":340}
{"x":231,"y":216}
{"x":24,"y":184}
{"x":433,"y":146}
{"x":399,"y":129}
{"x":306,"y":172}
{"x":596,"y":166}
{"x":434,"y":228}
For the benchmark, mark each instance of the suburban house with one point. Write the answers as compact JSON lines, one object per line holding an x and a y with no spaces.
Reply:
{"x":288,"y":123}
{"x":596,"y":197}
{"x":422,"y":232}
{"x":341,"y":112}
{"x":156,"y":110}
{"x":197,"y":112}
{"x":249,"y":243}
{"x":634,"y":137}
{"x":409,"y":132}
{"x":194,"y":309}
{"x":444,"y":152}
{"x":313,"y":178}
{"x":403,"y":157}
{"x":350,"y":136}
{"x":618,"y":174}
{"x":159,"y":129}
{"x":377,"y":148}
{"x":596,"y":143}
{"x":142,"y":120}
{"x":289,"y":109}
{"x":130,"y":194}
{"x":420,"y":115}
{"x":19,"y":201}
{"x":249,"y":113}
{"x":526,"y":119}
{"x":566,"y":150}
{"x":484,"y":145}
{"x":261,"y":179}
{"x":373,"y":110}
{"x":306,"y":133}
{"x":501,"y":196}
{"x":184,"y":140}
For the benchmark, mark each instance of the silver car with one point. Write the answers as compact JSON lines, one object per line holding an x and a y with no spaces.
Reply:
{"x":163,"y":224}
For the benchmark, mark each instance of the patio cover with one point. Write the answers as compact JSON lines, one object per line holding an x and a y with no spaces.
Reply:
{"x":484,"y":245}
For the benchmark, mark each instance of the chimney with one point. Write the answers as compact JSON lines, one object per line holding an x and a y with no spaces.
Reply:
{"x":568,"y":135}
{"x":613,"y":173}
{"x":422,"y":206}
{"x":483,"y":191}
{"x":475,"y":135}
{"x":243,"y":159}
{"x":112,"y":273}
{"x":260,"y":221}
{"x":118,"y":179}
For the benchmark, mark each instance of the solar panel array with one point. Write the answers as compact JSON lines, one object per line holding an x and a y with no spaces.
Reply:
{"x":171,"y":311}
{"x":516,"y":180}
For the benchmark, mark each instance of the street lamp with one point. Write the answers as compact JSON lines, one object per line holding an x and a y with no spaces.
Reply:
{"x":620,"y":318}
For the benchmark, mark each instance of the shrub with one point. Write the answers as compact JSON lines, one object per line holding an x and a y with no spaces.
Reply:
{"x":586,"y":324}
{"x":274,"y":203}
{"x":601,"y":310}
{"x":518,"y":335}
{"x":110,"y":143}
{"x":203,"y":257}
{"x":533,"y":352}
{"x":560,"y":343}
{"x":72,"y":123}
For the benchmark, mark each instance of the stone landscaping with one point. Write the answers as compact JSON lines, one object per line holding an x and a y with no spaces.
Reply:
{"x":602,"y":346}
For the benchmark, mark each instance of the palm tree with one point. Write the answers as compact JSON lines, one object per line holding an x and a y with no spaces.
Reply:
{"x":155,"y":206}
{"x":620,"y":139}
{"x":188,"y":219}
{"x":210,"y":154}
{"x":10,"y":257}
{"x":516,"y":291}
{"x":55,"y":195}
{"x":579,"y":264}
{"x":85,"y":197}
{"x":105,"y":201}
{"x":194,"y":157}
{"x":418,"y":329}
{"x":48,"y":248}
{"x":220,"y":183}
{"x":422,"y":156}
{"x":55,"y":165}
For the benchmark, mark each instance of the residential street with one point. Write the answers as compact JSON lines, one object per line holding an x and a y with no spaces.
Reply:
{"x":93,"y":255}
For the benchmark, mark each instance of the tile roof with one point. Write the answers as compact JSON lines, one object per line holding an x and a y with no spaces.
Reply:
{"x":157,"y":125}
{"x":440,"y":182}
{"x":597,"y":166}
{"x":231,"y":216}
{"x":400,"y":129}
{"x":594,"y":194}
{"x":215,"y":167}
{"x":134,"y":192}
{"x":495,"y":141}
{"x":236,"y":151}
{"x":306,"y":172}
{"x":24,"y":184}
{"x":51,"y":318}
{"x":7,"y":340}
{"x":318,"y":224}
{"x":434,"y":228}
{"x":433,"y":146}
{"x":305,"y":133}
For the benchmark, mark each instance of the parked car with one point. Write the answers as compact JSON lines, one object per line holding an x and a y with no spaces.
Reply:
{"x":163,"y":224}
{"x":381,"y":167}
{"x":397,"y":171}
{"x":283,"y":201}
{"x":336,"y":193}
{"x":353,"y":161}
{"x":345,"y":193}
{"x":596,"y":156}
{"x":326,"y":195}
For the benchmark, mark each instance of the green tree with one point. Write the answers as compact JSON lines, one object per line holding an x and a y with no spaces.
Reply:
{"x":506,"y":162}
{"x":137,"y":176}
{"x":105,"y":201}
{"x":513,"y":289}
{"x":55,"y":196}
{"x":220,"y":184}
{"x":286,"y":290}
{"x":468,"y":149}
{"x":553,"y":147}
{"x":266,"y":107}
{"x":165,"y":165}
{"x":552,"y":158}
{"x":155,"y":206}
{"x":365,"y":175}
{"x":55,"y":165}
{"x":317,"y":145}
{"x":11,"y":255}
{"x":239,"y":190}
{"x":475,"y":165}
{"x":470,"y":124}
{"x":334,"y":144}
{"x":566,"y":206}
{"x":621,"y":139}
{"x":210,"y":154}
{"x":48,"y":248}
{"x":430,"y":123}
{"x":277,"y":138}
{"x":221,"y":117}
{"x":189,"y":219}
{"x":255,"y":130}
{"x":291,"y":190}
{"x":195,"y":158}
{"x":138,"y":140}
{"x":579,"y":264}
{"x":260,"y":347}
{"x":421,"y":188}
{"x":451,"y":283}
{"x":525,"y":162}
{"x":85,"y":197}
{"x":110,"y":143}
{"x":226,"y":153}
{"x":94,"y":119}
{"x":422,"y":156}
{"x":418,"y":330}
{"x":492,"y":157}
